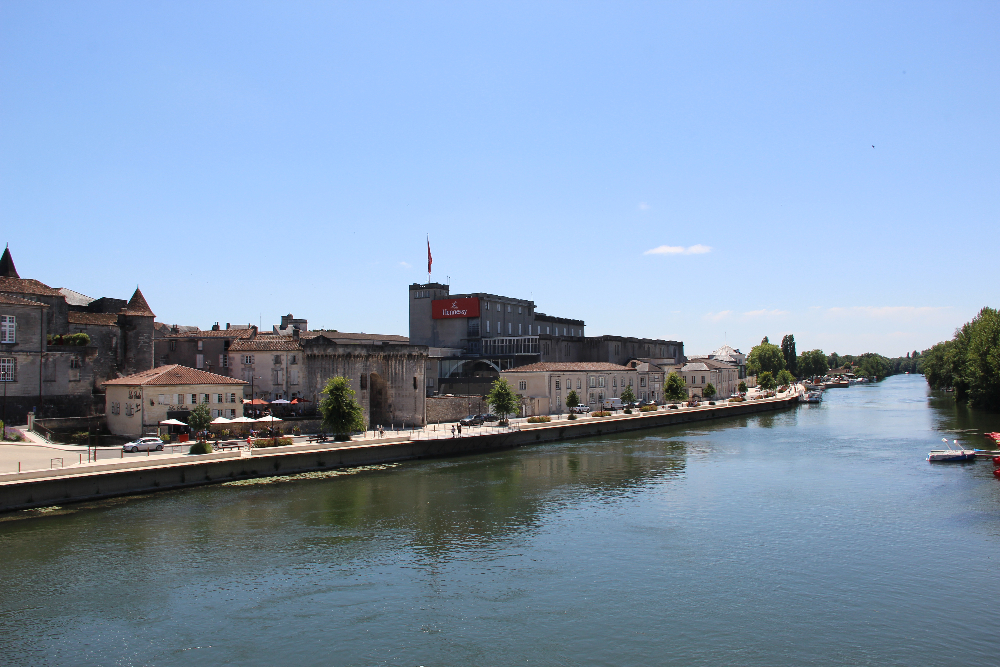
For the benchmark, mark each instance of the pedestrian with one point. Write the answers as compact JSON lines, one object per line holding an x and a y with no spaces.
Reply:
{"x":453,"y":430}
{"x":460,"y":430}
{"x":249,"y":442}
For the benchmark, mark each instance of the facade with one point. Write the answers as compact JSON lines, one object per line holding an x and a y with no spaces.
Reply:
{"x":270,"y":366}
{"x":698,"y":373}
{"x":50,"y":374}
{"x":202,"y":349}
{"x":475,"y":337}
{"x":544,"y":386}
{"x":136,"y":404}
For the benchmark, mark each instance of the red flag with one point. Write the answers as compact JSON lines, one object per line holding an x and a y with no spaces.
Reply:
{"x":430,"y":260}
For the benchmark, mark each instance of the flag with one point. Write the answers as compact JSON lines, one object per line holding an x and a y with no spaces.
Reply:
{"x":430,"y":260}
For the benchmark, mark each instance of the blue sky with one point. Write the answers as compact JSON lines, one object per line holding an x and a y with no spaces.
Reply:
{"x":243,"y":160}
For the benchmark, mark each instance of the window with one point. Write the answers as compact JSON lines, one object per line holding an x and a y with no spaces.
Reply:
{"x":518,"y":329}
{"x":508,"y":307}
{"x":703,"y":379}
{"x":8,"y":329}
{"x":180,"y":399}
{"x":487,"y":305}
{"x":522,"y":385}
{"x":414,"y":381}
{"x":487,"y":326}
{"x":194,"y":399}
{"x":204,"y":398}
{"x":216,"y":413}
{"x":232,"y":398}
{"x":248,"y":359}
{"x":232,"y":414}
{"x":630,"y":382}
{"x":499,"y":328}
{"x":510,"y":328}
{"x":593,"y":382}
{"x":642,"y":382}
{"x":223,"y":361}
{"x":591,"y":397}
{"x":162,"y":399}
{"x":600,"y":381}
{"x":277,"y":360}
{"x":578,"y":383}
{"x":364,"y":382}
{"x":547,"y":330}
{"x":614,"y":382}
{"x":75,"y":363}
{"x":173,"y":345}
{"x":201,"y":345}
{"x":199,"y":361}
{"x":557,"y":385}
{"x":293,"y":376}
{"x":292,"y":360}
{"x":564,"y":331}
{"x":7,"y":370}
{"x":219,"y":398}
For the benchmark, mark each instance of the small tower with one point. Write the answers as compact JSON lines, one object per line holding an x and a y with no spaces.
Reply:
{"x":7,"y":269}
{"x":136,"y":324}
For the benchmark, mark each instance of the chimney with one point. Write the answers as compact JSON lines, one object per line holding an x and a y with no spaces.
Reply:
{"x":295,"y":333}
{"x":227,"y":326}
{"x":215,"y":327}
{"x":175,"y":329}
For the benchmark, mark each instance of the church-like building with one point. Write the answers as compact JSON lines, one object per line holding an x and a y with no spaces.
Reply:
{"x":57,"y":346}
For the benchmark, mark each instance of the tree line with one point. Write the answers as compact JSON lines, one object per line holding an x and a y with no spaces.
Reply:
{"x":969,"y":363}
{"x":783,"y":364}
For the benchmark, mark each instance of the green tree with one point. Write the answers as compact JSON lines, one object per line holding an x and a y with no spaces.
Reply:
{"x":765,"y":357}
{"x":766,"y":381}
{"x":812,"y":363}
{"x":628,"y":398}
{"x":503,"y":399}
{"x":742,"y":388}
{"x":341,"y":413}
{"x":784,"y":379}
{"x":200,"y":417}
{"x":788,"y":352}
{"x":978,"y":361}
{"x":873,"y":366}
{"x":675,"y":389}
{"x":834,"y":360}
{"x":709,"y":391}
{"x":572,"y":399}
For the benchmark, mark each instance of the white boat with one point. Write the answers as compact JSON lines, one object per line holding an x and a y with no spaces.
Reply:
{"x":813,"y":397}
{"x":951,"y":454}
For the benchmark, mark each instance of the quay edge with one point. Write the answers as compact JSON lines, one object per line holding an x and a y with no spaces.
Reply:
{"x":29,"y":490}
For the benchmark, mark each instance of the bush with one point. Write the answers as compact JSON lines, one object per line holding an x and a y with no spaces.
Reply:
{"x":539,"y":420}
{"x":200,"y":448}
{"x":627,"y":411}
{"x":600,"y":413}
{"x":737,"y":399}
{"x":271,"y":442}
{"x":78,"y":339}
{"x":164,"y":438}
{"x":648,"y":408}
{"x":571,"y":416}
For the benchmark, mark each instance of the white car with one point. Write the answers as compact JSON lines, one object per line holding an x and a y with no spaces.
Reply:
{"x":580,"y":409}
{"x":143,"y":445}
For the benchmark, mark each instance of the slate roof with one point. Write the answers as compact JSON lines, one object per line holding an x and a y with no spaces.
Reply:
{"x":171,"y":375}
{"x":75,"y":298}
{"x":102,"y":319}
{"x":137,"y":305}
{"x":210,"y":333}
{"x":568,"y":366}
{"x":343,"y":336}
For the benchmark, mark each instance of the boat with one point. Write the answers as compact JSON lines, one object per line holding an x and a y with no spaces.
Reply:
{"x":812,"y":397}
{"x":951,"y":454}
{"x":996,"y":461}
{"x":996,"y":473}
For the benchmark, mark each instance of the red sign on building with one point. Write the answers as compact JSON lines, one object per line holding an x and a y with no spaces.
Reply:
{"x":442,"y":309}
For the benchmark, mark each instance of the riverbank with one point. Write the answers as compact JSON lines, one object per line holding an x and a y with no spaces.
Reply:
{"x":140,"y":475}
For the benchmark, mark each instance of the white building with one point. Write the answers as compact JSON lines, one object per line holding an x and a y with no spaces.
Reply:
{"x":544,"y":386}
{"x":699,"y":373}
{"x":136,"y":404}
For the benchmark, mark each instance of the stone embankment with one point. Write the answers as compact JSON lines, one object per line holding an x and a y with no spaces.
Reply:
{"x":145,"y":475}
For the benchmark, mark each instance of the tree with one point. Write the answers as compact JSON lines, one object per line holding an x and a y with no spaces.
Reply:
{"x":784,"y":378}
{"x":200,"y":417}
{"x":812,"y":363}
{"x":675,"y":389}
{"x":628,"y":398}
{"x":873,"y":366}
{"x":834,"y":360}
{"x":976,"y":361}
{"x":709,"y":391}
{"x":503,"y":399}
{"x":572,"y":399}
{"x":742,"y":388}
{"x":788,"y":352}
{"x":766,"y":381}
{"x":765,"y":357}
{"x":341,"y":413}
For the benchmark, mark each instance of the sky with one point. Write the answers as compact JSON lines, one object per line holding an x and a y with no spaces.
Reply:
{"x":705,"y":172}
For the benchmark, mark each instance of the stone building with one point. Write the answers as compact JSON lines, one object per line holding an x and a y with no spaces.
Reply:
{"x":136,"y":404}
{"x":202,"y":349}
{"x":699,"y":373}
{"x":49,"y":371}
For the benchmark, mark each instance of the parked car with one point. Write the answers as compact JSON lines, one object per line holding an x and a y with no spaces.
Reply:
{"x":580,"y":409}
{"x":472,"y":420}
{"x":490,"y":417}
{"x":143,"y":445}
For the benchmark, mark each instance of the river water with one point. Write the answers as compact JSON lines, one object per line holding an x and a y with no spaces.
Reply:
{"x":814,"y":536}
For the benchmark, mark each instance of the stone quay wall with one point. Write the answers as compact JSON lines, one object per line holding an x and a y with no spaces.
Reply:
{"x":42,"y":488}
{"x":452,"y":408}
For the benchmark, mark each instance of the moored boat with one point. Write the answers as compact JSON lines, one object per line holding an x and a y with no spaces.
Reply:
{"x":951,"y":454}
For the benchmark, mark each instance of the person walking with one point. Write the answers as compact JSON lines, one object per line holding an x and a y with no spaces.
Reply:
{"x":460,"y":430}
{"x":453,"y":430}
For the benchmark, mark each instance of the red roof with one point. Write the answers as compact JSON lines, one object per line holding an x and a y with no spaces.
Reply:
{"x":266,"y":344}
{"x":174,"y":374}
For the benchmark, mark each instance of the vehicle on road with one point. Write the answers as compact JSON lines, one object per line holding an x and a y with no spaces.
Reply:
{"x":146,"y":444}
{"x":580,"y":409}
{"x":472,"y":420}
{"x":612,"y":404}
{"x":490,"y":417}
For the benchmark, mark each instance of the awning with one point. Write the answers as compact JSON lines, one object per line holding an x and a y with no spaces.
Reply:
{"x":173,"y":422}
{"x":280,"y":401}
{"x":256,"y":401}
{"x":269,"y":418}
{"x":221,"y":420}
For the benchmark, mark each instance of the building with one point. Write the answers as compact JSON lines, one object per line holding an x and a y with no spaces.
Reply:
{"x":196,"y":348}
{"x":731,"y":356}
{"x":270,"y":366}
{"x":136,"y":404}
{"x":543,"y":386}
{"x":699,"y":373}
{"x":473,"y":338}
{"x":53,"y":373}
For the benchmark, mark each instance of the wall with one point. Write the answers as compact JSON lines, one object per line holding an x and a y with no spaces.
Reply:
{"x":42,"y":488}
{"x":452,"y":408}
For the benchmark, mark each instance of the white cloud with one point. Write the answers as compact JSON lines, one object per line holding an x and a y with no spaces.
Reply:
{"x":763,"y":312}
{"x":678,"y":250}
{"x":643,"y":206}
{"x":721,"y":315}
{"x":405,"y":265}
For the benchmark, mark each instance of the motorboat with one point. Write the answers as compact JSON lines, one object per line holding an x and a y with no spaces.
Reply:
{"x":951,"y":454}
{"x":813,"y":397}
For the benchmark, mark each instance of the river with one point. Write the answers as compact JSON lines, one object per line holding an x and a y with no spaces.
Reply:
{"x":816,"y":536}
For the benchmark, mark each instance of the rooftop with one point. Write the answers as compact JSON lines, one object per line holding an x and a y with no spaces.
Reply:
{"x":19,"y":301}
{"x":102,"y":319}
{"x":567,"y":367}
{"x":265,"y":344}
{"x":171,"y":375}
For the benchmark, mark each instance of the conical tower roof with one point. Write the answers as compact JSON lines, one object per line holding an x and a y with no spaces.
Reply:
{"x":137,"y":305}
{"x":7,"y":269}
